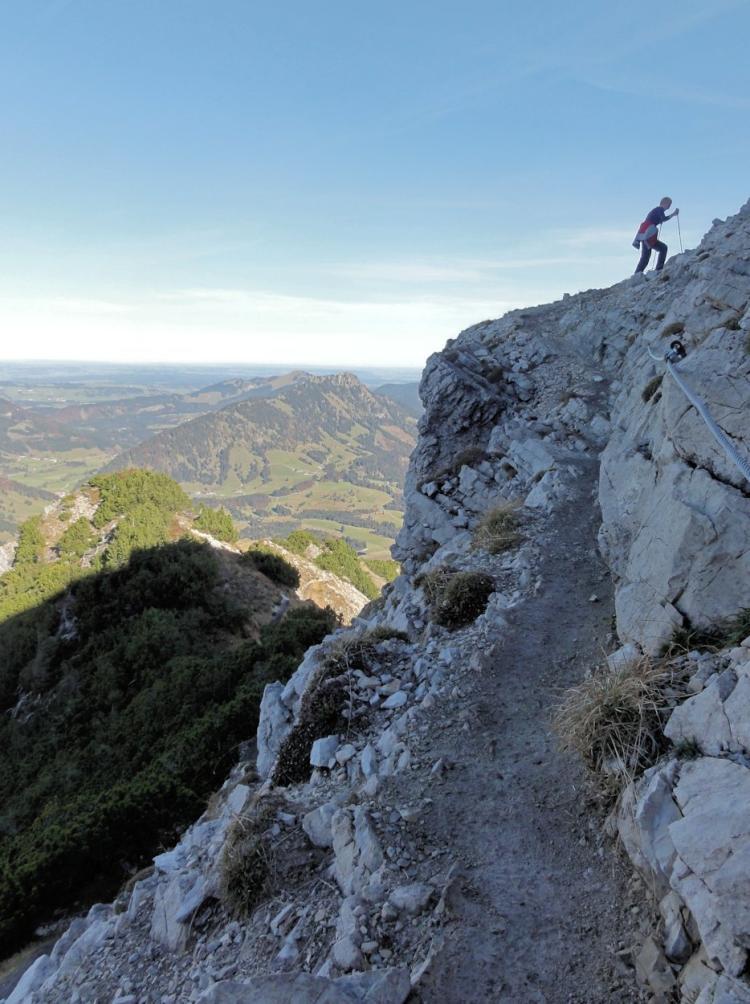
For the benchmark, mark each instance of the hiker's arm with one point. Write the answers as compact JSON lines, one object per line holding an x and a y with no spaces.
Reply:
{"x":671,"y":215}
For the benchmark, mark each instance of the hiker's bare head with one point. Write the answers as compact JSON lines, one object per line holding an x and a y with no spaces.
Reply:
{"x":666,"y":202}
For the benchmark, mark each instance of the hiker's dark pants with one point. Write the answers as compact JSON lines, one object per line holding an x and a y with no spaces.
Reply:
{"x":659,"y":246}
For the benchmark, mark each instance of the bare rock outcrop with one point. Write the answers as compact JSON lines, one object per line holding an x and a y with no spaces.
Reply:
{"x":322,"y":587}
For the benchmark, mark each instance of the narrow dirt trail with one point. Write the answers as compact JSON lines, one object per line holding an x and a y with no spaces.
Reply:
{"x":541,"y":909}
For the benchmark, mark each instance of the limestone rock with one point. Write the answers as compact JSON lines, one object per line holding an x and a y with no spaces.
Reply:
{"x":531,"y":457}
{"x":323,"y":751}
{"x":712,"y":841}
{"x":724,"y":990}
{"x":397,"y":700}
{"x":356,"y":848}
{"x":677,"y":946}
{"x":652,"y":968}
{"x":166,"y":927}
{"x":278,"y":988}
{"x":317,"y":824}
{"x":31,"y":980}
{"x":347,"y":953}
{"x":646,"y":810}
{"x":369,"y":761}
{"x":624,"y":658}
{"x":379,"y":986}
{"x":274,"y":724}
{"x":411,"y":899}
{"x":702,"y":718}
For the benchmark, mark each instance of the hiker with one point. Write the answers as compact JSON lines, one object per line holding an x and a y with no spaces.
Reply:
{"x":648,"y":235}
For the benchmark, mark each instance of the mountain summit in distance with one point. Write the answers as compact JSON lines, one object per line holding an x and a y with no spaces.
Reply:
{"x":320,"y":448}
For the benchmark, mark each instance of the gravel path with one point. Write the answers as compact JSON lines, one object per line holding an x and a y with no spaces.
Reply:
{"x":542,"y":908}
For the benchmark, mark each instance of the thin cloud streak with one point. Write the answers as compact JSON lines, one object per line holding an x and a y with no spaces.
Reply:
{"x":685,"y":93}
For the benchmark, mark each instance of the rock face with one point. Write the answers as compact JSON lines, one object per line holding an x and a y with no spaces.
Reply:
{"x":512,"y":410}
{"x":686,"y":825}
{"x":7,"y":553}
{"x":676,"y":520}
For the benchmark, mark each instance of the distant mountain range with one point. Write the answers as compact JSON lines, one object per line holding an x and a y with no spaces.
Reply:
{"x":330,"y":424}
{"x":125,"y":422}
{"x":277,"y":450}
{"x":405,"y":394}
{"x":26,"y":430}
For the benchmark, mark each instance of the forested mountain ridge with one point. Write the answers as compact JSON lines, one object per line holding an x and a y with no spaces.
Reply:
{"x":123,"y":422}
{"x":332,"y":421}
{"x":24,"y":431}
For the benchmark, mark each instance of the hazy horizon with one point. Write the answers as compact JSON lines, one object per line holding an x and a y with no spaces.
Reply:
{"x":185,"y":375}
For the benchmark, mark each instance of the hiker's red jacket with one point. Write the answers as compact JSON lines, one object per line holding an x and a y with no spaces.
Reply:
{"x":648,"y":231}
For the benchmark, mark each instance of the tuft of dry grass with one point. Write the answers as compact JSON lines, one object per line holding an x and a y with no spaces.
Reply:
{"x":247,"y":865}
{"x":614,"y":721}
{"x":497,"y":531}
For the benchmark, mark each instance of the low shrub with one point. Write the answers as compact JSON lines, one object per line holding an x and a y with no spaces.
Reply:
{"x":386,"y":568}
{"x":298,"y":542}
{"x":341,"y":559}
{"x":139,"y":719}
{"x":385,"y":633}
{"x":614,"y":721}
{"x":120,"y":492}
{"x":30,"y":542}
{"x":497,"y":531}
{"x":217,"y":522}
{"x":651,"y":387}
{"x":273,"y":566}
{"x":456,"y":598}
{"x":320,"y":714}
{"x":77,"y":539}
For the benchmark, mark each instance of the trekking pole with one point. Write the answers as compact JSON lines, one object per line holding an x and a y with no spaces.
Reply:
{"x":679,"y":232}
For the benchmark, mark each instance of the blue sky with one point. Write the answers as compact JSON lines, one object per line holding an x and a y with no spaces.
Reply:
{"x":343,"y":182}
